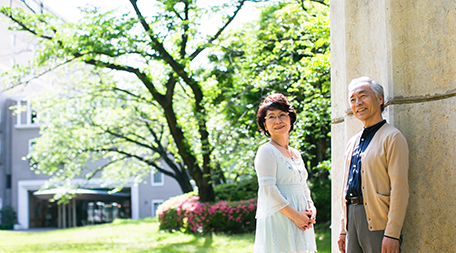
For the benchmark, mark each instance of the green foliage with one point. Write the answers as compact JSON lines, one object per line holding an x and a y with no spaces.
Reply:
{"x":9,"y":218}
{"x":170,"y":217}
{"x":321,"y":195}
{"x":203,"y":115}
{"x":287,"y":51}
{"x":155,"y":52}
{"x":99,"y":120}
{"x":320,"y":187}
{"x":241,"y":190}
{"x":187,"y":214}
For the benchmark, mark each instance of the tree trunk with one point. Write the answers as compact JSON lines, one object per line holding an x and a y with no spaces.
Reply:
{"x":206,"y":190}
{"x":184,"y":184}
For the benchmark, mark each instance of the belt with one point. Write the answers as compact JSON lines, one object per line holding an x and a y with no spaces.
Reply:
{"x":354,"y":201}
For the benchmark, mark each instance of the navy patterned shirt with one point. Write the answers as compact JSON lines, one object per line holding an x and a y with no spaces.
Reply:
{"x":354,"y":176}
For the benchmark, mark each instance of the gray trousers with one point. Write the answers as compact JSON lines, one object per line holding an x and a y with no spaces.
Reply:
{"x":359,"y":239}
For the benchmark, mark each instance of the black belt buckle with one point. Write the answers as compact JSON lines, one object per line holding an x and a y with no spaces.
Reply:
{"x":355,"y":201}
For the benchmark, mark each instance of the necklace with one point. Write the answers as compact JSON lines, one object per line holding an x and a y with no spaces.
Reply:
{"x":287,"y":149}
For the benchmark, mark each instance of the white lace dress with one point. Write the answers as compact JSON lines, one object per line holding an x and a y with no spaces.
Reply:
{"x":281,"y":182}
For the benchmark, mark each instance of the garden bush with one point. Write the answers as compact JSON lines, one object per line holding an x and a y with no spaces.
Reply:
{"x":320,"y":188}
{"x":241,"y":190}
{"x":186,"y":213}
{"x":9,"y":218}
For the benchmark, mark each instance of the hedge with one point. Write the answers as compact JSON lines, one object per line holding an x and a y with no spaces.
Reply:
{"x":9,"y":218}
{"x":186,"y":213}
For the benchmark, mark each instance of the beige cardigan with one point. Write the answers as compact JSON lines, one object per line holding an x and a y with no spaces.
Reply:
{"x":384,"y":178}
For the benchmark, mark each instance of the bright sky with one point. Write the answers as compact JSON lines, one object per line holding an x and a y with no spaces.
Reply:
{"x":68,"y":9}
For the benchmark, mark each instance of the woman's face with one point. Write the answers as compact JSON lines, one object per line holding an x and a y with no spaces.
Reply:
{"x":277,"y":122}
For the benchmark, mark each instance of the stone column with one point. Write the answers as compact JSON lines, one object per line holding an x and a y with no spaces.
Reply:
{"x":409,"y":46}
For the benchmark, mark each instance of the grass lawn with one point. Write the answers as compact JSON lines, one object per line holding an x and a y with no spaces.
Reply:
{"x":131,"y":236}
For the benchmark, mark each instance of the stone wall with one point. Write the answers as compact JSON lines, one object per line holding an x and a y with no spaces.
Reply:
{"x":408,"y":46}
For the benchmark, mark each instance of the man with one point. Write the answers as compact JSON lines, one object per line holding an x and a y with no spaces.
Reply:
{"x":375,"y":193}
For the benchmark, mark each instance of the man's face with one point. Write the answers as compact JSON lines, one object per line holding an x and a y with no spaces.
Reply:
{"x":365,"y":105}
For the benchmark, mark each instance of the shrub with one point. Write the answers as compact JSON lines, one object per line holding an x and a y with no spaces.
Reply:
{"x":9,"y":218}
{"x":187,"y":213}
{"x":241,"y":190}
{"x":320,"y":187}
{"x":234,"y":217}
{"x":169,"y":216}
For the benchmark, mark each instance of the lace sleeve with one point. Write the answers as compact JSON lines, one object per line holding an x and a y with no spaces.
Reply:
{"x":270,"y":200}
{"x":307,"y":192}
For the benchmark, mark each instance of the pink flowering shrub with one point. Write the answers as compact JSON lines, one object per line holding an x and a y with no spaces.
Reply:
{"x":185,"y":211}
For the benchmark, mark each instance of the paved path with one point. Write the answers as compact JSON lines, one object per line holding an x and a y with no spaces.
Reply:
{"x":35,"y":230}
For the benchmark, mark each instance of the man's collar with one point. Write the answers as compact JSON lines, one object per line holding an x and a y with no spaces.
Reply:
{"x":374,"y":127}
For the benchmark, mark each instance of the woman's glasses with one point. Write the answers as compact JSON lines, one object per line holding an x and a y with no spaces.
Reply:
{"x":273,"y":118}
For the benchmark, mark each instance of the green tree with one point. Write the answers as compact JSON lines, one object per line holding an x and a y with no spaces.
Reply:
{"x":158,"y":50}
{"x":100,"y":119}
{"x":287,"y":51}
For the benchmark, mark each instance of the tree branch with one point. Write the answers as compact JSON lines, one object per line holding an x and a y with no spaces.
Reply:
{"x":141,"y":76}
{"x":184,"y":34}
{"x":126,"y":154}
{"x":121,"y":136}
{"x":158,"y":46}
{"x":219,"y":32}
{"x":25,"y":28}
{"x":95,"y":171}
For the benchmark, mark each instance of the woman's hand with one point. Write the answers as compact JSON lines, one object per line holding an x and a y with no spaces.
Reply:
{"x":303,"y":220}
{"x":313,"y":210}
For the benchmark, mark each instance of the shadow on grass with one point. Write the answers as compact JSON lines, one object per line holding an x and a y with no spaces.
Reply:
{"x":210,"y":243}
{"x":194,"y":245}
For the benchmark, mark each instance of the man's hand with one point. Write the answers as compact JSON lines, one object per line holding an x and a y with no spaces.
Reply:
{"x":341,"y":243}
{"x":390,"y":245}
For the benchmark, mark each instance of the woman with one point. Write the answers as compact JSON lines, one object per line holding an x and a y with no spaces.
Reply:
{"x":285,"y":212}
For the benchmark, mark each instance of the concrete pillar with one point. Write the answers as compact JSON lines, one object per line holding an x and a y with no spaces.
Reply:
{"x":408,"y":46}
{"x":70,"y":224}
{"x":59,"y":216}
{"x":73,"y":204}
{"x":64,"y":217}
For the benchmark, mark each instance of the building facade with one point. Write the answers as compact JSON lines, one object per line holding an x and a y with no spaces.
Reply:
{"x":19,"y":185}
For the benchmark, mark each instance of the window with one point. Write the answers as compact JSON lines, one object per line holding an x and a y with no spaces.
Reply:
{"x":155,"y":204}
{"x":33,"y":118}
{"x":26,"y":116}
{"x":13,"y":39}
{"x":31,"y":143}
{"x":8,"y":181}
{"x":158,"y":178}
{"x":36,"y":6}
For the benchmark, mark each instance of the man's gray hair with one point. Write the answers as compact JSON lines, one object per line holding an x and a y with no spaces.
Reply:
{"x":374,"y":85}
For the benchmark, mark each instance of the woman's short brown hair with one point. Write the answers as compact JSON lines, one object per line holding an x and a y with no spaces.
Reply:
{"x":275,"y":101}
